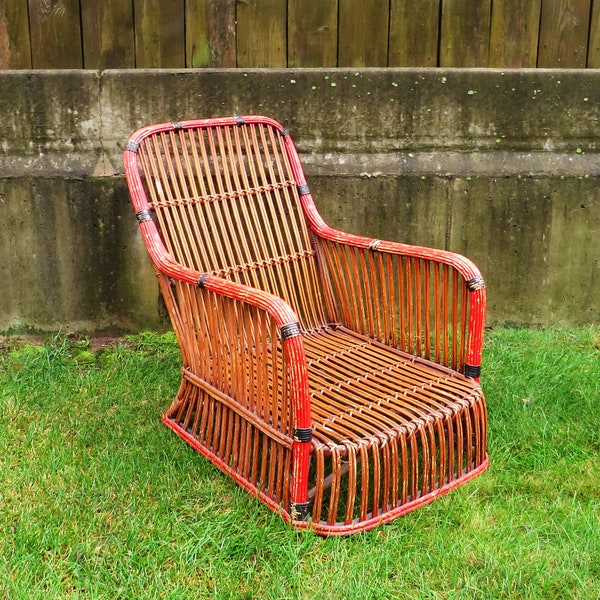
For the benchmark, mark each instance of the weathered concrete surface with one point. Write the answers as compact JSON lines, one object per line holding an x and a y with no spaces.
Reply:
{"x":536,"y":239}
{"x":502,"y":166}
{"x":71,"y":256}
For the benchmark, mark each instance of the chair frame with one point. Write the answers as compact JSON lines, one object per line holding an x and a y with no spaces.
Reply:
{"x":459,"y":354}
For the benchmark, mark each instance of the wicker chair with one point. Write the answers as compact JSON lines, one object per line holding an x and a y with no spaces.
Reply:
{"x":333,"y":376}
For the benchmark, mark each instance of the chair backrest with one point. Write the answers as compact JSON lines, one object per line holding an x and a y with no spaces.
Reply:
{"x":227,"y":203}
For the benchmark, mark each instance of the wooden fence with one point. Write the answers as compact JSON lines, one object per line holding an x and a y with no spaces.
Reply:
{"x":99,"y":34}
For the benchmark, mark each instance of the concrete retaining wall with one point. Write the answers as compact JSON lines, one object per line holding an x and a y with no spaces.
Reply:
{"x":500,"y":165}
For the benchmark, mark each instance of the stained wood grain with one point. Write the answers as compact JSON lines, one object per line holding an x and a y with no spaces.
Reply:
{"x":414,"y":30}
{"x":99,"y":34}
{"x":465,"y":33}
{"x":564,"y":29}
{"x":514,"y":33}
{"x":593,"y":61}
{"x":159,"y":33}
{"x":108,"y":34}
{"x":363,"y":33}
{"x":261,"y":33}
{"x":210,"y":33}
{"x":312,"y":33}
{"x":15,"y":47}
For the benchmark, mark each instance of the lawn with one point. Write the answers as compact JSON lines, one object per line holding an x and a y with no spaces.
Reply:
{"x":99,"y":500}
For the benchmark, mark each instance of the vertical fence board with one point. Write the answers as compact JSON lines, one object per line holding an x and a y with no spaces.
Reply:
{"x":159,"y":33}
{"x":299,"y":33}
{"x":210,"y":33}
{"x":15,"y":48}
{"x":312,"y":33}
{"x":414,"y":33}
{"x":465,"y":33}
{"x":593,"y":61}
{"x":55,"y":34}
{"x":514,"y":33}
{"x":564,"y":28}
{"x":262,"y":33}
{"x":363,"y":33}
{"x":108,"y":34}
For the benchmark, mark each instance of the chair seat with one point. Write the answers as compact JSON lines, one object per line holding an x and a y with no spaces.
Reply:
{"x":362,"y":389}
{"x":391,"y":431}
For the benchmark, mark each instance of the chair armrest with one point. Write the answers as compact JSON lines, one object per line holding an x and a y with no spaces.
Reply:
{"x":245,"y":344}
{"x":280,"y":312}
{"x":241,"y":309}
{"x":427,"y":302}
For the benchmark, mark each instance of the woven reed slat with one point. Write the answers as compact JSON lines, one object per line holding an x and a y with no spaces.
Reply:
{"x":333,"y":376}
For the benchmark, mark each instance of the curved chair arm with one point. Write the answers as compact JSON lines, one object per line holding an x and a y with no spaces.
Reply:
{"x":239,"y":304}
{"x":424,"y":301}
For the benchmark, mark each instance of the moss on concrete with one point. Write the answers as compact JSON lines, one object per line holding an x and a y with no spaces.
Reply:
{"x":500,"y":165}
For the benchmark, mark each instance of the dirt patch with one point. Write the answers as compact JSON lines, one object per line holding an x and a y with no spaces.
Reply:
{"x":94,"y":343}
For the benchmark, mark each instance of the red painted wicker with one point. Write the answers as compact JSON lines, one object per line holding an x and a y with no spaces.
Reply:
{"x":333,"y":376}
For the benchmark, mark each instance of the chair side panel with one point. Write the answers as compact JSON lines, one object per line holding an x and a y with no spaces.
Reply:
{"x":414,"y":304}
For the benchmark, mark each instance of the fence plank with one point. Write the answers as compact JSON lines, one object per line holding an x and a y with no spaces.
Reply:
{"x":465,"y":33}
{"x":15,"y":48}
{"x":159,"y":33}
{"x":312,"y":33}
{"x":262,"y":33}
{"x":593,"y":61}
{"x":210,"y":33}
{"x":414,"y":31}
{"x":55,"y":34}
{"x":514,"y":33}
{"x":564,"y":28}
{"x":108,"y":34}
{"x":299,"y":33}
{"x":363,"y":33}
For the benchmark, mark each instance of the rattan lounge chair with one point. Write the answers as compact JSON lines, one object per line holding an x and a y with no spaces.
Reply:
{"x":333,"y":376}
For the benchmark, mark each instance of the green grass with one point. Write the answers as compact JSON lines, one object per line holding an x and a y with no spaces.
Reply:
{"x":99,"y":500}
